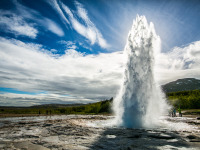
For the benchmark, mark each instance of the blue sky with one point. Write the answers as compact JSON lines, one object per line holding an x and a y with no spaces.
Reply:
{"x":60,"y":49}
{"x":176,"y":22}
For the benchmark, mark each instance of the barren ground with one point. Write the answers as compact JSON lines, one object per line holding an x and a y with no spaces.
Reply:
{"x":82,"y":132}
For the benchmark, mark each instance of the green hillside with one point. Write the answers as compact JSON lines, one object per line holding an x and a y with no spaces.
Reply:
{"x":186,"y":84}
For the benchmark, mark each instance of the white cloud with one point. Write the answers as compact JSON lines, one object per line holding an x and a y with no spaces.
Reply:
{"x":29,"y":67}
{"x":85,"y":46}
{"x":73,"y":45}
{"x":55,"y":5}
{"x":69,"y":44}
{"x":53,"y":27}
{"x":93,"y":32}
{"x":16,"y":24}
{"x":88,"y":29}
{"x":179,"y":63}
{"x":12,"y":99}
{"x":28,"y":13}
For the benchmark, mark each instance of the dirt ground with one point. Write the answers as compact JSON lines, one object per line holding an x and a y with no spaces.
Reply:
{"x":81,"y":132}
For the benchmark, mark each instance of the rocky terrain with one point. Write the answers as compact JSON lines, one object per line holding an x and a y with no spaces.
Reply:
{"x":81,"y":132}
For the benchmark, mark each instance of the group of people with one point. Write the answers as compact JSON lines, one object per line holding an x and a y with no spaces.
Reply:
{"x":173,"y":112}
{"x":47,"y":112}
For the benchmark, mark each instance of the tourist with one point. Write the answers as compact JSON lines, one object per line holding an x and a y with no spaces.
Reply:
{"x":179,"y":110}
{"x":174,"y":112}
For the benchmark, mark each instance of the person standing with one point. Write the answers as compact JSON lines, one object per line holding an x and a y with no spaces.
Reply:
{"x":179,"y":110}
{"x":174,"y":112}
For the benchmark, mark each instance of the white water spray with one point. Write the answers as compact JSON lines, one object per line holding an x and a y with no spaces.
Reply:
{"x":140,"y":101}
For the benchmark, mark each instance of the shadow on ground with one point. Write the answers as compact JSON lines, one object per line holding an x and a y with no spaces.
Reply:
{"x":128,"y":139}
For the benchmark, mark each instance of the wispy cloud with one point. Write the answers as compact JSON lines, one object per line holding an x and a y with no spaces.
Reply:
{"x":86,"y":29}
{"x":56,"y":6}
{"x":16,"y":25}
{"x":28,"y":13}
{"x":69,"y":44}
{"x":93,"y":32}
{"x":52,"y":26}
{"x":73,"y":45}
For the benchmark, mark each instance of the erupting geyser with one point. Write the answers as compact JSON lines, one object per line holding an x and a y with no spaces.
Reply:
{"x":140,"y":101}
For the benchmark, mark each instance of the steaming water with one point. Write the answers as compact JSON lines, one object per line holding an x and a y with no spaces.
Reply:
{"x":140,"y":102}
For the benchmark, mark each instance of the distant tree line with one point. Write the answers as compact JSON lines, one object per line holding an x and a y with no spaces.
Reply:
{"x":185,"y":99}
{"x":102,"y":107}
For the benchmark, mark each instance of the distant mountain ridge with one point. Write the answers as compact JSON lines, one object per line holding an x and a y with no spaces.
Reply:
{"x":185,"y":84}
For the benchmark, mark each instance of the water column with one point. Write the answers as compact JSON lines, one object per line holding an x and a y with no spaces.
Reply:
{"x":140,"y":101}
